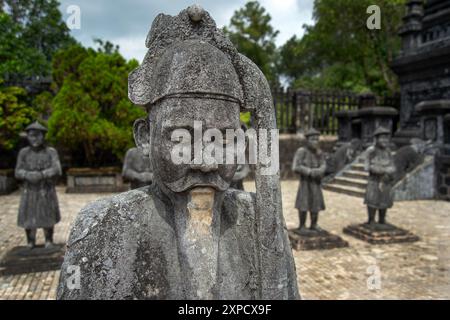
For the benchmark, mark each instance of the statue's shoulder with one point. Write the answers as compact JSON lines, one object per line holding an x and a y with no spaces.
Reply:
{"x":133,"y":151}
{"x":103,"y":213}
{"x":371,"y":150}
{"x":24,"y":151}
{"x":51,"y":150}
{"x":301,"y":151}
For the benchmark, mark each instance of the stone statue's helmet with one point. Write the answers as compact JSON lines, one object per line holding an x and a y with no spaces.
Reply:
{"x":194,"y":67}
{"x":188,"y":55}
{"x":312,"y":132}
{"x":381,"y":131}
{"x":36,"y":126}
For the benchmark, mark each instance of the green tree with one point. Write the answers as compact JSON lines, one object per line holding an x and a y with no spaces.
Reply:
{"x":15,"y":115}
{"x":31,"y":32}
{"x":338,"y":51}
{"x":17,"y":59}
{"x":91,"y":112}
{"x":251,"y":32}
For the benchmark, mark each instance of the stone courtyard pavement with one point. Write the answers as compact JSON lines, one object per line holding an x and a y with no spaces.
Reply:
{"x":419,"y":270}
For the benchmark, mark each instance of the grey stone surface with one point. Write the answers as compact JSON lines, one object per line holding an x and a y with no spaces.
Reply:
{"x":419,"y":270}
{"x":362,"y":123}
{"x":88,"y":180}
{"x":137,"y":168}
{"x":241,"y":173}
{"x":423,"y":63}
{"x":162,"y":242}
{"x":418,"y":183}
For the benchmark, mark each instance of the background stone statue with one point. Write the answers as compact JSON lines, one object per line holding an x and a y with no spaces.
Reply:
{"x":343,"y":155}
{"x":309,"y":163}
{"x":38,"y":167}
{"x":137,"y":168}
{"x":162,"y":241}
{"x":381,"y":168}
{"x":409,"y":157}
{"x":242,"y":170}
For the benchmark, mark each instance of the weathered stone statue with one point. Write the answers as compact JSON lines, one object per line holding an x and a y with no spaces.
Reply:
{"x":38,"y":167}
{"x":381,"y":168}
{"x":137,"y":168}
{"x":309,"y":163}
{"x":343,"y":155}
{"x":187,"y":236}
{"x":408,"y":157}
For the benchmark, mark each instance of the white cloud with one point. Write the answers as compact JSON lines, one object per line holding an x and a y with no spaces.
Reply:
{"x":132,"y":47}
{"x":126,"y":22}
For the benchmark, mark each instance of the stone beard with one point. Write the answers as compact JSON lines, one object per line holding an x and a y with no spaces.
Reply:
{"x":188,"y":235}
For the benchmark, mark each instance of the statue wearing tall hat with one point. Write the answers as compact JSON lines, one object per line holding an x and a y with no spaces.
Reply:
{"x":188,"y":235}
{"x":309,"y":162}
{"x":38,"y":167}
{"x":381,"y":168}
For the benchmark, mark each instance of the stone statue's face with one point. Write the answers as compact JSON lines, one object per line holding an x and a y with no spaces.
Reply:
{"x":313,"y":141}
{"x":383,"y":141}
{"x":172,"y":114}
{"x":35,"y":138}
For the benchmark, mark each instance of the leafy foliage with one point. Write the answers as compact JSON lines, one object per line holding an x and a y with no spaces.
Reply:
{"x":340,"y":52}
{"x":251,"y":32}
{"x":15,"y":115}
{"x":91,"y":111}
{"x":17,"y":60}
{"x":31,"y":31}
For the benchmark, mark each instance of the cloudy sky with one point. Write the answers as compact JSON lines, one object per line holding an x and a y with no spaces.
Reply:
{"x":127,"y":22}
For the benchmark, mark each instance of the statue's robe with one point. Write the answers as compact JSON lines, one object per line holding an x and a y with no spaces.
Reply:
{"x":379,"y":186}
{"x":309,"y":195}
{"x":135,"y":163}
{"x":38,"y":204}
{"x":126,"y":247}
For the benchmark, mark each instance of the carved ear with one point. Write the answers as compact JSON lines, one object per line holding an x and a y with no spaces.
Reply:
{"x":141,"y":133}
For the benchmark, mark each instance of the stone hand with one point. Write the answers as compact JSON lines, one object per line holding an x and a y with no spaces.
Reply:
{"x":390,"y":170}
{"x":316,"y":174}
{"x":34,"y":176}
{"x":308,"y":172}
{"x":146,"y":177}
